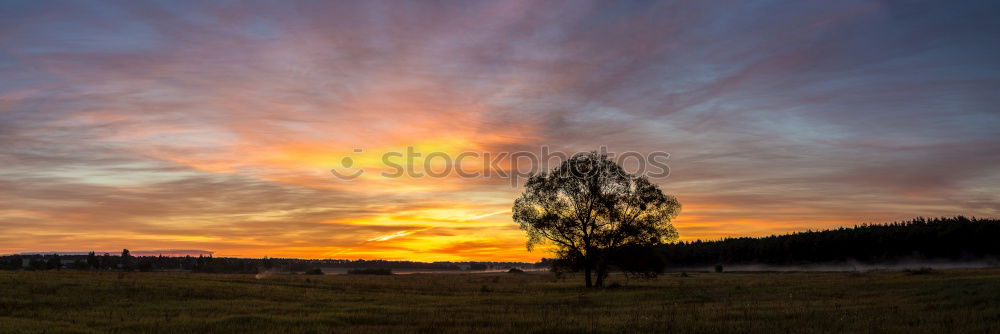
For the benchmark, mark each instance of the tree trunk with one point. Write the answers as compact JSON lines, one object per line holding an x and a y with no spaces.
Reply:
{"x":588,"y":263}
{"x":602,"y":272}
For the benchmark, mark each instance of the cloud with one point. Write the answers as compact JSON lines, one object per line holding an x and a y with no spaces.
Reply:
{"x":391,"y":236}
{"x":214,"y":128}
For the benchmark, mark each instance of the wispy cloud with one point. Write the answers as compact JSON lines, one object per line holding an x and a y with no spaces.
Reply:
{"x":160,"y":125}
{"x":391,"y":236}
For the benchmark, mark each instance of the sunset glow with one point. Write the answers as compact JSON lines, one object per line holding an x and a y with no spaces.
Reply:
{"x":170,"y":126}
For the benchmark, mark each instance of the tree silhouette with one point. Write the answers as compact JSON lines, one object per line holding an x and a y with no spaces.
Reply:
{"x":127,"y":260}
{"x":92,"y":261}
{"x":588,"y":207}
{"x":953,"y":238}
{"x":106,"y":262}
{"x":55,"y":262}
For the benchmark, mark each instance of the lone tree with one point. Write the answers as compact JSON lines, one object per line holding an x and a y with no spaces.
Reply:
{"x":589,"y":207}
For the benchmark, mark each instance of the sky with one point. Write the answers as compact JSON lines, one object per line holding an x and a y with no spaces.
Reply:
{"x":191,"y":125}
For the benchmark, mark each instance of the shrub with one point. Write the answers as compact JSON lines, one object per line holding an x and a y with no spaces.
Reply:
{"x":718,"y":268}
{"x":515,"y":271}
{"x":314,"y":271}
{"x":639,"y":261}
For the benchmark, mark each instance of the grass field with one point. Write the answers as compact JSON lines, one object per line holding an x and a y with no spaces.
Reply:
{"x":966,"y":301}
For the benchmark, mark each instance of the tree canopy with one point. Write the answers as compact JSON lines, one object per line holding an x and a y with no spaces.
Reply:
{"x":588,"y":207}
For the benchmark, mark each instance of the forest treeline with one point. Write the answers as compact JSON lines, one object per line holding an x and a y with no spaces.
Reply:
{"x":947,"y":238}
{"x":208,"y":264}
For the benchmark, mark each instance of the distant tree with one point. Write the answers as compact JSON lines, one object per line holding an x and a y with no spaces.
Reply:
{"x":92,"y":261}
{"x":563,"y":265}
{"x":107,"y":262}
{"x":80,"y":265}
{"x":11,"y":262}
{"x":145,"y":266}
{"x":202,"y":264}
{"x":127,"y":260}
{"x":187,"y":263}
{"x":37,"y":264}
{"x":588,"y":207}
{"x":54,"y":262}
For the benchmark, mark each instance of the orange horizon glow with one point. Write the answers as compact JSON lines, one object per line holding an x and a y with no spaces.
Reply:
{"x":215,"y":127}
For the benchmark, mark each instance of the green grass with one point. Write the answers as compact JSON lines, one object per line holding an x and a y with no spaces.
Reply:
{"x":895,"y":302}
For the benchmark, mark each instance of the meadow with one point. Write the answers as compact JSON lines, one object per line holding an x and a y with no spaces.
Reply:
{"x":959,"y":300}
